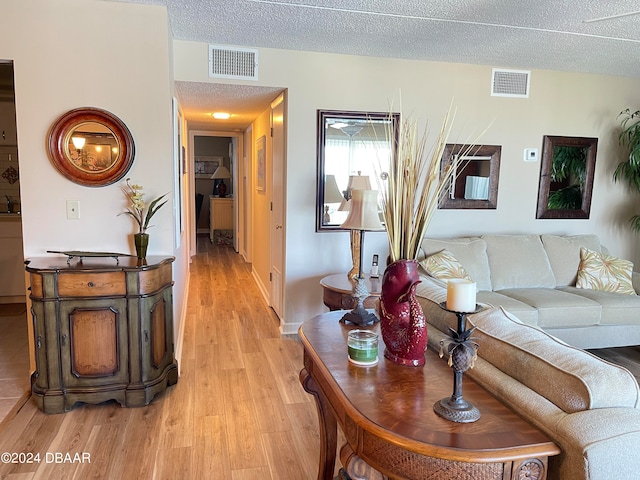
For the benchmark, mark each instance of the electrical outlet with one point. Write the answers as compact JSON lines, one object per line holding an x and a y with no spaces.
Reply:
{"x":73,"y":209}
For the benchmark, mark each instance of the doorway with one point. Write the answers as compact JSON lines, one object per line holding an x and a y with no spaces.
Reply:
{"x":213,"y":169}
{"x":214,"y":159}
{"x":14,"y":344}
{"x":258,"y":217}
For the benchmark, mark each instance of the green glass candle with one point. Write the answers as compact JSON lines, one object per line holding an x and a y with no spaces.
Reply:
{"x":363,"y":347}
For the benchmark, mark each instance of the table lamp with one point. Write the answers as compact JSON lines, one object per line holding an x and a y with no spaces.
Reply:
{"x":356,"y":182}
{"x":363,"y":216}
{"x":220,"y":174}
{"x":331,"y":195}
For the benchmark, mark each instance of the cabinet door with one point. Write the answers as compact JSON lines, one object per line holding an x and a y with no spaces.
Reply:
{"x":93,"y":342}
{"x":40,"y":376}
{"x":157,"y":334}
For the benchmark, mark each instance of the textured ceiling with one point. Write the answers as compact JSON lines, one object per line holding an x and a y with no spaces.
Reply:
{"x":199,"y":100}
{"x":530,"y":34}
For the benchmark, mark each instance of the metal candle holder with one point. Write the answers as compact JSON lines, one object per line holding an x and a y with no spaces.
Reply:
{"x":456,"y":408}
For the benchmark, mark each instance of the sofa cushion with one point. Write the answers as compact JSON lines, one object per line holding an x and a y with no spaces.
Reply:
{"x":444,"y":266}
{"x":518,"y":261}
{"x":617,"y":308}
{"x":557,"y":308}
{"x":471,"y":252}
{"x":564,"y":255}
{"x":599,"y":271}
{"x":525,"y":313}
{"x":571,"y":378}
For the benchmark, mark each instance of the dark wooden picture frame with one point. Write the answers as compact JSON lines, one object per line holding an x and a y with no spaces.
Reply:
{"x":323,"y":116}
{"x":467,"y":156}
{"x":550,"y":143}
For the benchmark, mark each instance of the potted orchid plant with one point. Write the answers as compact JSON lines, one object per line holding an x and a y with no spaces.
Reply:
{"x":141,"y":213}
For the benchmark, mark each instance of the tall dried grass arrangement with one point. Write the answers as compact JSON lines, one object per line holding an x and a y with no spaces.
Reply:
{"x":413,"y":186}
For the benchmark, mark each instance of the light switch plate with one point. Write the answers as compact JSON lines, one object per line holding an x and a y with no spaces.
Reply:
{"x":73,"y":209}
{"x":530,"y":154}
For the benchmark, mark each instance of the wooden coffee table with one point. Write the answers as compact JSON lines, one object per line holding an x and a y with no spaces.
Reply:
{"x":337,"y":290}
{"x":386,"y":415}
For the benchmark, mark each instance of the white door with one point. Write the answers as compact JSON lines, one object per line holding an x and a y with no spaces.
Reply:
{"x":277,"y":205}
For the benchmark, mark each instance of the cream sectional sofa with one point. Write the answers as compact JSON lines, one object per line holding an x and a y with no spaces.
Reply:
{"x":588,"y":407}
{"x":534,"y":278}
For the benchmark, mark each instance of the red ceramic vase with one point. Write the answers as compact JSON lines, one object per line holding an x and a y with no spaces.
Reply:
{"x":402,"y":322}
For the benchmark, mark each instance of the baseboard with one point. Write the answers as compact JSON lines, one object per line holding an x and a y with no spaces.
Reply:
{"x":179,"y":340}
{"x":263,"y":289}
{"x":289,"y":328}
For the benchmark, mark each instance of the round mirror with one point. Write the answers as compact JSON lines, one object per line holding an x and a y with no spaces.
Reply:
{"x":91,"y":147}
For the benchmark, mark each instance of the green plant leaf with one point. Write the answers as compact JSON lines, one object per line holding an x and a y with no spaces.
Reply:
{"x":629,"y":170}
{"x":635,"y":223}
{"x":153,"y":208}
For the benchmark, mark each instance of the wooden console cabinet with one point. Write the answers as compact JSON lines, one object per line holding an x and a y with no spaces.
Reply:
{"x":103,"y":330}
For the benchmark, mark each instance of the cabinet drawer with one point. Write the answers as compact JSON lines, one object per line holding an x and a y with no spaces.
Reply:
{"x":152,"y":281}
{"x":91,"y":284}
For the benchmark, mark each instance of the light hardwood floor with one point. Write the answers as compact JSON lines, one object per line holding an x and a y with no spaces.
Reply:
{"x":238,"y":411}
{"x":14,"y":358}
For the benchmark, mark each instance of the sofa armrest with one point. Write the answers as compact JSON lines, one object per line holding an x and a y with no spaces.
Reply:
{"x":598,"y":444}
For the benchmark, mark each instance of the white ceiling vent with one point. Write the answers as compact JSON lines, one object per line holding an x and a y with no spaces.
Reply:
{"x":510,"y":83}
{"x":231,"y":62}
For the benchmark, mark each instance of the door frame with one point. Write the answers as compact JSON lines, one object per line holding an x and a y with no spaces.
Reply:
{"x":238,"y":142}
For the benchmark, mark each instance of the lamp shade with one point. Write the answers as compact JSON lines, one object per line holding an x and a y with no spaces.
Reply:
{"x":78,"y":142}
{"x":221,"y":172}
{"x":363,"y":211}
{"x":356,"y":182}
{"x":331,"y":191}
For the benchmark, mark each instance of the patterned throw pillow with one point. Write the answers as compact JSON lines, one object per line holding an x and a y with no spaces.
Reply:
{"x":444,"y":266}
{"x":598,"y":271}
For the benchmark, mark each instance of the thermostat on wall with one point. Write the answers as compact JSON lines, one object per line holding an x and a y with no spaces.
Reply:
{"x":530,"y":154}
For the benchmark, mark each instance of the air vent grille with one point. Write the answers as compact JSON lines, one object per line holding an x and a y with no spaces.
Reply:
{"x":510,"y":83}
{"x":230,"y":62}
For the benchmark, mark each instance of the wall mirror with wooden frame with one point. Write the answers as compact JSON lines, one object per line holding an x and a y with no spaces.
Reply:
{"x":566,"y":177}
{"x":353,"y":147}
{"x":91,"y":147}
{"x":476,"y":173}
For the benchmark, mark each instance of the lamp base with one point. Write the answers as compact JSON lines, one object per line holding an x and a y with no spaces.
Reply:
{"x":459,"y":411}
{"x":359,"y":316}
{"x":222,"y":189}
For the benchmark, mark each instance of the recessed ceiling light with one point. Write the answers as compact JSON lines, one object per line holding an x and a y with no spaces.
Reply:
{"x":221,"y":115}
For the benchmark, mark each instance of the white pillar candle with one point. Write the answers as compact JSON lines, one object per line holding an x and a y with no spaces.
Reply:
{"x":461,"y":295}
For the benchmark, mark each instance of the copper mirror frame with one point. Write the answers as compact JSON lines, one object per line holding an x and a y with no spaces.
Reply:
{"x":579,"y":171}
{"x":91,"y":147}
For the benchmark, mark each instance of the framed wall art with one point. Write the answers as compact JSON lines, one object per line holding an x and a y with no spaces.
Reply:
{"x":261,"y":167}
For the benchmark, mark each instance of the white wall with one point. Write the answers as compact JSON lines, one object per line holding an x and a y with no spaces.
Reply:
{"x":110,"y":55}
{"x":560,"y":103}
